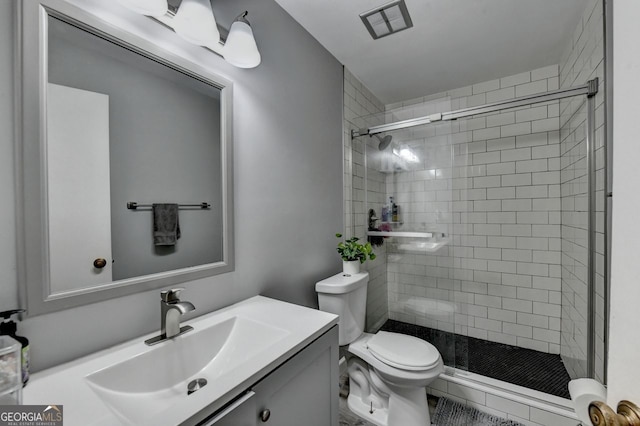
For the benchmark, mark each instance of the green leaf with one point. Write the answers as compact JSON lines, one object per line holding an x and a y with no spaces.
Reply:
{"x":351,"y":249}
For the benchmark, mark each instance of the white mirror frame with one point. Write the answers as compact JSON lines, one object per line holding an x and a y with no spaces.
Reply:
{"x":31,"y":148}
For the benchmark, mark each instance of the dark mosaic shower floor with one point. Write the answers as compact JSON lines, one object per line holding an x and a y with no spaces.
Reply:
{"x":524,"y":367}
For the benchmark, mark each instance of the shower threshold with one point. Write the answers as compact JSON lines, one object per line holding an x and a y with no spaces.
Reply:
{"x":528,"y":368}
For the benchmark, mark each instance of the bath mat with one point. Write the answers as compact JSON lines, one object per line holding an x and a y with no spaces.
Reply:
{"x":451,"y":413}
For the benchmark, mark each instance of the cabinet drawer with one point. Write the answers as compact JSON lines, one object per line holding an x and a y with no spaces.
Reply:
{"x":304,"y":390}
{"x":241,"y":412}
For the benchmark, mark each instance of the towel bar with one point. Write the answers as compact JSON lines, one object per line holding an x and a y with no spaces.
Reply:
{"x":132,"y":205}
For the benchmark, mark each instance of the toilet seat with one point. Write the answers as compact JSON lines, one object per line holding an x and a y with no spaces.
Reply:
{"x":402,"y":351}
{"x":401,"y":376}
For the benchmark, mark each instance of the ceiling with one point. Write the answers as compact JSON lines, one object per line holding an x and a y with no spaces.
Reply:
{"x":453,"y":43}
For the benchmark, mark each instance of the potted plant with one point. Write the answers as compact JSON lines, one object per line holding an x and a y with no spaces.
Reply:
{"x":353,"y":254}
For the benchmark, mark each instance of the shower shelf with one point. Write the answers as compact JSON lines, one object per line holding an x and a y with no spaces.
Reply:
{"x":420,"y":246}
{"x":400,"y":234}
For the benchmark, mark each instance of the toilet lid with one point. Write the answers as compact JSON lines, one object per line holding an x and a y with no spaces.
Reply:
{"x":402,"y":351}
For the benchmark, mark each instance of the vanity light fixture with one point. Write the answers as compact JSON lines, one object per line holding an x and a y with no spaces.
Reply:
{"x":241,"y":50}
{"x":146,"y":7}
{"x":194,"y":21}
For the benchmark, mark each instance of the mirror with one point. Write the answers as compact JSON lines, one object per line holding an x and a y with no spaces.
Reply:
{"x":127,"y":163}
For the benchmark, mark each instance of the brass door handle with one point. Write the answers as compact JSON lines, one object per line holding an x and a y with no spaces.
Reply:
{"x":602,"y":415}
{"x":99,"y":263}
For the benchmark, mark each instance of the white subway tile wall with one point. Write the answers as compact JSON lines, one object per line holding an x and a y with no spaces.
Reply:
{"x":492,"y":184}
{"x":582,"y":61}
{"x":362,"y":109}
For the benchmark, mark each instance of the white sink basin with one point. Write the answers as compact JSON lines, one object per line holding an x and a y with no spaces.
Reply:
{"x":153,"y":380}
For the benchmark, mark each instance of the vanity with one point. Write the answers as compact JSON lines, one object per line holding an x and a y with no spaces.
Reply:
{"x":263,"y":360}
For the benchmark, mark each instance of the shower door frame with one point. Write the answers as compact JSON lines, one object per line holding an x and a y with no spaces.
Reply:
{"x":590,"y":89}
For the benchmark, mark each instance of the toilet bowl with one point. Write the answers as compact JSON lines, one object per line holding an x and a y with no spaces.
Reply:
{"x":388,"y":372}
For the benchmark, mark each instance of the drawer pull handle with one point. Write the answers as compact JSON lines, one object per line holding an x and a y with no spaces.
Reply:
{"x":264,"y":415}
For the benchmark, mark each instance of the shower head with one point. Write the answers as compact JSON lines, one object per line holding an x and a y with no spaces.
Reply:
{"x":384,"y":142}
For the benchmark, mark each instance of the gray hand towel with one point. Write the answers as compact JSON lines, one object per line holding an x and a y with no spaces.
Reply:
{"x":166,"y":227}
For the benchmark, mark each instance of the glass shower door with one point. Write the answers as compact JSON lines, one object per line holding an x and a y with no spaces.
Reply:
{"x":410,"y":219}
{"x":487,"y":224}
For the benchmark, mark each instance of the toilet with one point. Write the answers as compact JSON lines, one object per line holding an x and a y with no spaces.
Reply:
{"x":388,"y":372}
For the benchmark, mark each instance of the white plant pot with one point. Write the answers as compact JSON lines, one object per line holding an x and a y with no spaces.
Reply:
{"x":351,"y":267}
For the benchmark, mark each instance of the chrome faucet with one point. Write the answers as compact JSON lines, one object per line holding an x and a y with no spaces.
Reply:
{"x":171,"y":308}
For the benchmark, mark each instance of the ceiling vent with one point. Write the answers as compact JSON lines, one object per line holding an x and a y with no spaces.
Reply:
{"x":387,"y":19}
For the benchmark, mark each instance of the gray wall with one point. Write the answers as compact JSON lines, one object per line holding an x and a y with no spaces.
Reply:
{"x":8,"y":278}
{"x":288,"y":180}
{"x":164,"y":147}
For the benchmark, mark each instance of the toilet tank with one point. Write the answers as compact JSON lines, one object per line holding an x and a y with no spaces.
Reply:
{"x":346,"y":296}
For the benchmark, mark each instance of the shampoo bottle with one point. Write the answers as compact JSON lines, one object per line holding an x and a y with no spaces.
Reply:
{"x":395,"y":212}
{"x":385,"y":213}
{"x":9,"y":328}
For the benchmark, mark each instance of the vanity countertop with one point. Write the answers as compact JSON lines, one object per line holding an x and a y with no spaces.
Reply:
{"x":67,"y":384}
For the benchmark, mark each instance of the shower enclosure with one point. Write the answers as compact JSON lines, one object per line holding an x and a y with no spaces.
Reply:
{"x":490,"y":221}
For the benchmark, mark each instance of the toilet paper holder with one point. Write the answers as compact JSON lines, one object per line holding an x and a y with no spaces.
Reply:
{"x":602,"y":414}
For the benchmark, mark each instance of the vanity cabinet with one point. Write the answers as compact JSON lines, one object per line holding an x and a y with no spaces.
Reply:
{"x":302,"y":391}
{"x":262,"y":359}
